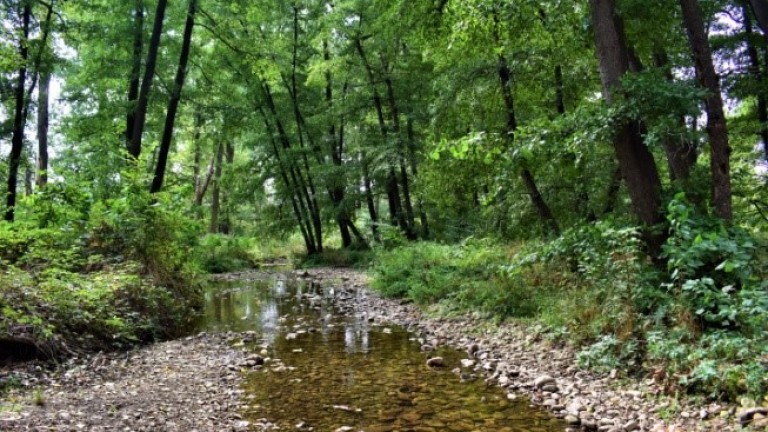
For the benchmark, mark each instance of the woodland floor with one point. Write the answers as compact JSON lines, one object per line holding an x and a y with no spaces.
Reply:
{"x":193,"y":384}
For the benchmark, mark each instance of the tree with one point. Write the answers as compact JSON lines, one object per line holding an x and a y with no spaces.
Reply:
{"x":173,"y":103}
{"x":638,"y":166}
{"x":134,"y":148}
{"x":17,"y":140}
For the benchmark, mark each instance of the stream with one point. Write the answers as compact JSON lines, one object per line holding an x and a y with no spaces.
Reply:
{"x":330,"y":370}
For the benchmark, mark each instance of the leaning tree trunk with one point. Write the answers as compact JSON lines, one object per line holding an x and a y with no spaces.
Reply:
{"x":173,"y":103}
{"x":17,"y":139}
{"x":135,"y":80}
{"x":716,"y":124}
{"x":529,"y":181}
{"x":146,"y":84}
{"x":635,"y":160}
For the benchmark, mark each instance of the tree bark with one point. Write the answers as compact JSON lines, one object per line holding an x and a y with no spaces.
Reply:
{"x":757,"y":69}
{"x":716,"y":125}
{"x":17,"y":138}
{"x":135,"y":80}
{"x":760,"y":7}
{"x":146,"y":84}
{"x":637,"y":165}
{"x":173,"y":103}
{"x":213,"y":227}
{"x":42,"y":130}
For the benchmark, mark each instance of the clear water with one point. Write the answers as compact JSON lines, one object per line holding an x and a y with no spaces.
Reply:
{"x":328,"y":370}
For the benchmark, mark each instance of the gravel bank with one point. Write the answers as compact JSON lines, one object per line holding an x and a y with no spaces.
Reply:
{"x":193,"y":384}
{"x":526,"y":365}
{"x":183,"y":385}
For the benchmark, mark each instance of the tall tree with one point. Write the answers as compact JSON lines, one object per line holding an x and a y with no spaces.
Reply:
{"x":17,"y":140}
{"x":716,"y":125}
{"x":135,"y":78}
{"x":146,"y":84}
{"x":638,"y":166}
{"x":173,"y":103}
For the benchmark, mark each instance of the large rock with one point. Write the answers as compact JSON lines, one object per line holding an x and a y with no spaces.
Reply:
{"x":543,"y":380}
{"x":746,"y":416}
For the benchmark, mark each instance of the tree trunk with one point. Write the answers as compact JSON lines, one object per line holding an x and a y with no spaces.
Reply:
{"x":42,"y":130}
{"x":225,"y":227}
{"x":681,"y":155}
{"x":135,"y":80}
{"x":369,"y":199}
{"x":173,"y":103}
{"x":393,"y":191}
{"x":757,"y":70}
{"x":213,"y":228}
{"x":405,"y":218}
{"x":635,"y":160}
{"x":17,"y":139}
{"x":529,"y":181}
{"x":760,"y":7}
{"x":146,"y":84}
{"x":716,"y":124}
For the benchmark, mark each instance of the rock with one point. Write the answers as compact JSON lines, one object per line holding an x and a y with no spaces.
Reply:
{"x":290,"y":336}
{"x":746,"y":416}
{"x":703,"y":414}
{"x":631,"y":426}
{"x":436,"y":362}
{"x":572,"y":420}
{"x":467,"y":363}
{"x":543,"y":380}
{"x":552,"y":388}
{"x":345,"y":429}
{"x":589,"y":425}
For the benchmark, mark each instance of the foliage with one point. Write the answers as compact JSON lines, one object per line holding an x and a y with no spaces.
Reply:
{"x":116,"y":276}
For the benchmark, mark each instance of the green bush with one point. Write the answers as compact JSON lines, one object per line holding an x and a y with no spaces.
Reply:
{"x":219,"y":253}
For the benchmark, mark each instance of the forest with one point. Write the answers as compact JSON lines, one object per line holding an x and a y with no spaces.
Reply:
{"x":596,"y":169}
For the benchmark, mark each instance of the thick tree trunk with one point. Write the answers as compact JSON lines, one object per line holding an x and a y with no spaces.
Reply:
{"x":146,"y":84}
{"x":173,"y":103}
{"x":42,"y":130}
{"x":17,"y":138}
{"x":135,"y":80}
{"x":637,"y":164}
{"x":716,"y":124}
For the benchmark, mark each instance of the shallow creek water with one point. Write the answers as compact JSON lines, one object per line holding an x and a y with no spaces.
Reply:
{"x":330,"y":371}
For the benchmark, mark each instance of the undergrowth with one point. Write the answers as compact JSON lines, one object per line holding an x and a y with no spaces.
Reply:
{"x":80,"y":275}
{"x":699,"y":326}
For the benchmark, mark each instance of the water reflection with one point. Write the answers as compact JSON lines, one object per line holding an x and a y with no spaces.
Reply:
{"x":336,"y":371}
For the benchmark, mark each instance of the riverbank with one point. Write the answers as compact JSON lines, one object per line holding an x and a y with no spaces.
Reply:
{"x":195,"y":383}
{"x":526,"y":364}
{"x":182,"y":385}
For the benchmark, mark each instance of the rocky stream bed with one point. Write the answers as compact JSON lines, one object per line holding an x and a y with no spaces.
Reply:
{"x":199,"y":383}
